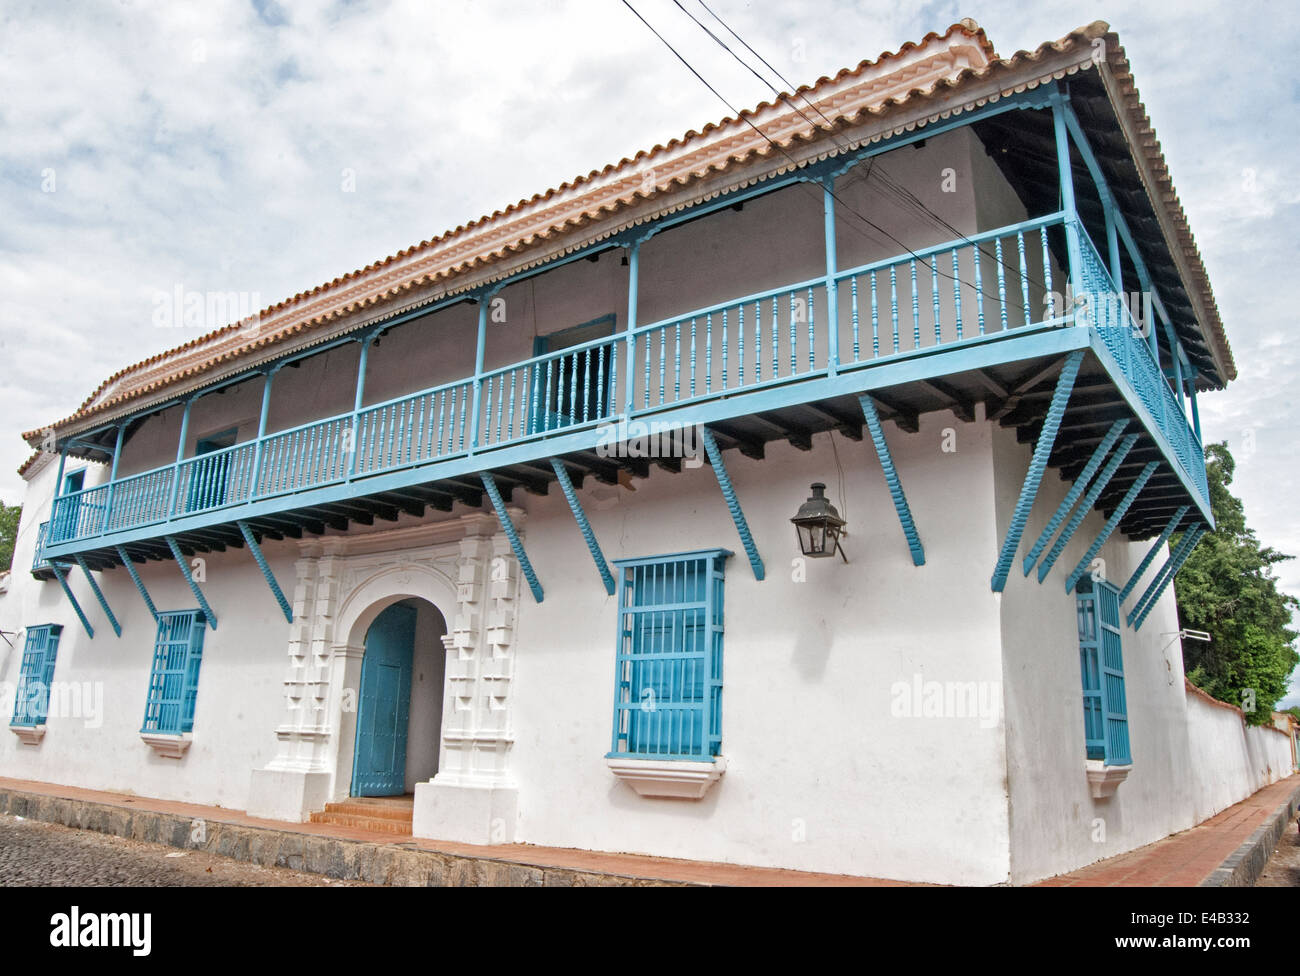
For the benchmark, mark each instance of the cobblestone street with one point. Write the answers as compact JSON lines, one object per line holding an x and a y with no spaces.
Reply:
{"x":36,"y":853}
{"x":1283,"y":868}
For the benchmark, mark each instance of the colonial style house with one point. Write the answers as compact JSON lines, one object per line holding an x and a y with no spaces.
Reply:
{"x":515,"y":529}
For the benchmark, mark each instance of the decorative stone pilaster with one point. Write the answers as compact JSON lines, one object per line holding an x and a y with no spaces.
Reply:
{"x":297,"y":781}
{"x":473,"y":799}
{"x":343,"y":582}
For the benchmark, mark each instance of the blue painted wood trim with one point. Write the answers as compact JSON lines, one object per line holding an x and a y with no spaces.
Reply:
{"x":1171,"y":569}
{"x":1085,"y":506}
{"x":139,"y":583}
{"x":1065,"y":177}
{"x":67,"y":591}
{"x":194,"y":587}
{"x":832,"y":268}
{"x":1037,"y":465}
{"x":99,"y":595}
{"x":891,"y":480}
{"x":256,"y":477}
{"x":975,"y":352}
{"x":262,"y":564}
{"x":508,"y":527}
{"x":1112,"y":523}
{"x":1157,"y":584}
{"x":571,"y":496}
{"x":180,"y":456}
{"x":1151,"y":553}
{"x":733,"y":503}
{"x":633,"y":275}
{"x":1126,"y":389}
{"x":1078,"y":488}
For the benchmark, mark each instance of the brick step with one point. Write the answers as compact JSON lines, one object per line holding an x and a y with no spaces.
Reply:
{"x":366,"y":808}
{"x":381,"y":825}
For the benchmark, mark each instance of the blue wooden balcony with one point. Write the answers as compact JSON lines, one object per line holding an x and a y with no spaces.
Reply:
{"x":935,"y":328}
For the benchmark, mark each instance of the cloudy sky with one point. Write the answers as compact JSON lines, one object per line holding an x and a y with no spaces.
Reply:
{"x":264,"y":148}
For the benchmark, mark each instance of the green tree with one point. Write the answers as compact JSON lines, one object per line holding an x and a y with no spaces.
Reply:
{"x":1228,"y":589}
{"x":9,"y":516}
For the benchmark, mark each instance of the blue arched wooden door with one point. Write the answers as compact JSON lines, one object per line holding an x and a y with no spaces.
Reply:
{"x":383,"y":711}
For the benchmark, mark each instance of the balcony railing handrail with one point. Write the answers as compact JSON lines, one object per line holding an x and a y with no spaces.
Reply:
{"x":440,"y":422}
{"x":699,"y":313}
{"x":1034,"y":223}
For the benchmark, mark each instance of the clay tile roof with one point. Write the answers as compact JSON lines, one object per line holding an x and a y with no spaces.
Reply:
{"x":937,"y":68}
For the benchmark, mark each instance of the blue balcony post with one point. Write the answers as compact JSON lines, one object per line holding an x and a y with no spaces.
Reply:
{"x":1112,"y":245}
{"x":633,"y":264}
{"x":56,"y":533}
{"x":832,"y":266}
{"x":474,"y":418}
{"x":1191,"y":395}
{"x":355,"y":434}
{"x":1176,"y":352}
{"x":1066,"y":171}
{"x":261,"y":432}
{"x":180,"y":456}
{"x":112,"y":478}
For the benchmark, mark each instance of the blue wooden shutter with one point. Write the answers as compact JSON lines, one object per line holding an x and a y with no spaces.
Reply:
{"x":668,"y":687}
{"x":40,"y":648}
{"x":1101,"y":662}
{"x":174,"y":678}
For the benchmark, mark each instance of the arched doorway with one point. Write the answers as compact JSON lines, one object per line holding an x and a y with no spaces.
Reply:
{"x":399,"y":700}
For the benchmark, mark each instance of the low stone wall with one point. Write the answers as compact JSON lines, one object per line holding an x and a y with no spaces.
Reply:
{"x":350,"y":860}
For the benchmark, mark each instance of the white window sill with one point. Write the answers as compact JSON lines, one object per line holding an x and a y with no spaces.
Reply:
{"x":677,"y":779}
{"x":29,"y":734}
{"x":1104,"y":780}
{"x":167,"y":745}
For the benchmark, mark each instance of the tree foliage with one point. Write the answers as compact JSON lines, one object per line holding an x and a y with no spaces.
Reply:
{"x":1228,"y":589}
{"x":9,"y":516}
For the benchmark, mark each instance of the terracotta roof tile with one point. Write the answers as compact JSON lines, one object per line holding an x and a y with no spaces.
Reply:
{"x":938,"y":66}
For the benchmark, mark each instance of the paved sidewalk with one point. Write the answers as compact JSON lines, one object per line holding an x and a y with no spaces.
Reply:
{"x":1187,"y":859}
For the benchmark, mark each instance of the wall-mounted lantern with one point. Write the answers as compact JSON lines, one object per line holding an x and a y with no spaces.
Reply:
{"x":818,"y":525}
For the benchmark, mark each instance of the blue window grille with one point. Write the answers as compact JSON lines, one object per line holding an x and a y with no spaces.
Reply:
{"x":36,"y":674}
{"x":1101,"y":660}
{"x":174,"y":679}
{"x":668,"y":677}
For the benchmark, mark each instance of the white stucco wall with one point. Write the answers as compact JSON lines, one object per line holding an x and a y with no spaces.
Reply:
{"x":821,"y":775}
{"x":240,"y":689}
{"x":1231,"y":760}
{"x":1056,"y":824}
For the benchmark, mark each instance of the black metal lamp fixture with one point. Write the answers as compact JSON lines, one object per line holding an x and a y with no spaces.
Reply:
{"x":818,"y":525}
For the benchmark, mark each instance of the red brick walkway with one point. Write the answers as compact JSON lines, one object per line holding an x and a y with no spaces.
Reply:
{"x":1186,"y":859}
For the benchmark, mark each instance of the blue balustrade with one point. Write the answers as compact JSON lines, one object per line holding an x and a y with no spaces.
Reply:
{"x":962,"y":291}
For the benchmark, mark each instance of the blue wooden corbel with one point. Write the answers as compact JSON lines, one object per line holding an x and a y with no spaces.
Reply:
{"x":891,"y":479}
{"x":1085,"y":506}
{"x":508,"y":527}
{"x":99,"y":595}
{"x":135,"y":578}
{"x":262,"y":564}
{"x":67,"y":591}
{"x":733,"y":503}
{"x":1037,"y":465}
{"x":566,"y":485}
{"x":1111,"y":525}
{"x":194,"y":587}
